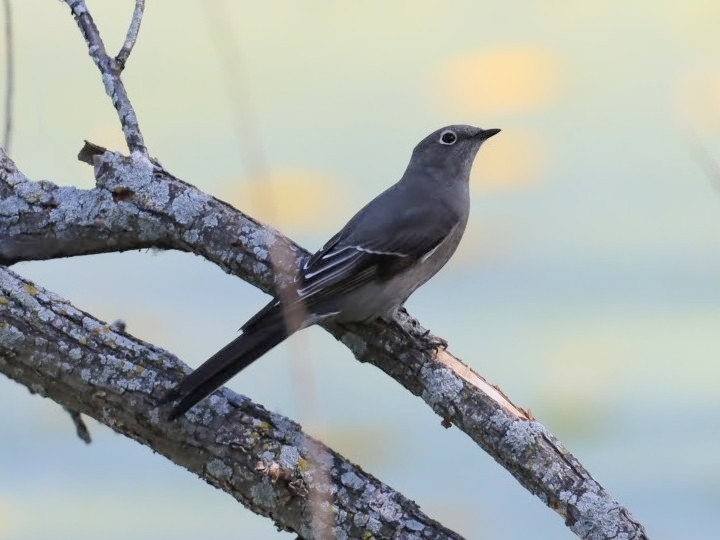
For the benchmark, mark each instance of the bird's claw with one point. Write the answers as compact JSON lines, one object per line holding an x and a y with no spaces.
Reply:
{"x":435,"y":342}
{"x":427,"y":341}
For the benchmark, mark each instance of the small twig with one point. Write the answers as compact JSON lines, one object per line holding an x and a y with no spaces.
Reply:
{"x":110,"y":71}
{"x":246,"y":125}
{"x":706,"y":162}
{"x":118,"y":325}
{"x":89,"y":151}
{"x":132,"y":35}
{"x":240,"y":99}
{"x":9,"y":75}
{"x":80,"y":427}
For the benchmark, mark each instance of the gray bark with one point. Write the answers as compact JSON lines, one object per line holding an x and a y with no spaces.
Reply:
{"x":262,"y":459}
{"x":137,"y":204}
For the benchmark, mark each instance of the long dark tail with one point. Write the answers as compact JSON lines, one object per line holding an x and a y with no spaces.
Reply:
{"x":260,"y":334}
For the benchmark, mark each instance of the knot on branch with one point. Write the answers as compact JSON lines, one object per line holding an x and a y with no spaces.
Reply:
{"x":121,"y":175}
{"x":9,"y":174}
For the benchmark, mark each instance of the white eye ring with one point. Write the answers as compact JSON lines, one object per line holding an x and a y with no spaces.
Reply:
{"x":448,"y":137}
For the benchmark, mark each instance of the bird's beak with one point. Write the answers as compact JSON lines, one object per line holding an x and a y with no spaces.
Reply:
{"x":487,"y":133}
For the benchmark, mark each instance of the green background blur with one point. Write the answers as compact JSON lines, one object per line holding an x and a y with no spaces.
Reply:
{"x":587,"y":285}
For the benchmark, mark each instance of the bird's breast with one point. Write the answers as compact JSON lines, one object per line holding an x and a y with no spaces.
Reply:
{"x":382,"y":297}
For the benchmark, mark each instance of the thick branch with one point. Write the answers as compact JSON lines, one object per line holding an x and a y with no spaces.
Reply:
{"x":131,"y":193}
{"x":262,"y":459}
{"x":110,"y":71}
{"x":40,"y":220}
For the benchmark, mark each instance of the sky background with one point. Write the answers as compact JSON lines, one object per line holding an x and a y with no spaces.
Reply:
{"x":587,"y":285}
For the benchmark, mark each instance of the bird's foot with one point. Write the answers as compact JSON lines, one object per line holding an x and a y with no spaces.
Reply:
{"x":424,"y":340}
{"x":420,"y":337}
{"x":434,"y":342}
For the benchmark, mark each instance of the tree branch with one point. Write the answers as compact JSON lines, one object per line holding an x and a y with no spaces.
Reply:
{"x":110,"y":71}
{"x":262,"y":459}
{"x":137,"y":204}
{"x":131,"y":36}
{"x":81,"y":428}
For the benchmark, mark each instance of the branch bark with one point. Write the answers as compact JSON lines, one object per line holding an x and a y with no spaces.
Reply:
{"x":137,"y":204}
{"x":110,"y":70}
{"x":132,"y":34}
{"x":262,"y":459}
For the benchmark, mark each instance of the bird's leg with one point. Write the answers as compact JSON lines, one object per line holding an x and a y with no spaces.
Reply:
{"x":421,"y":337}
{"x":425,"y":340}
{"x":435,"y":342}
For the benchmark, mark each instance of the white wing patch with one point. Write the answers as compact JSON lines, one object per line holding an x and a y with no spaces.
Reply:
{"x":373,"y":252}
{"x":334,"y":263}
{"x":430,"y":253}
{"x":331,"y":254}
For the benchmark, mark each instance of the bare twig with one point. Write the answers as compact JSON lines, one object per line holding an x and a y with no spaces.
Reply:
{"x":258,"y":457}
{"x":131,"y":36}
{"x":134,"y":206}
{"x":706,"y":162}
{"x":80,"y":427}
{"x":237,"y":87}
{"x":110,"y":71}
{"x":240,"y":101}
{"x":9,"y":76}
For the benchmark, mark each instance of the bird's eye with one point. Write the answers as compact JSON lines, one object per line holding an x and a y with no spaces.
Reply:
{"x":448,"y":137}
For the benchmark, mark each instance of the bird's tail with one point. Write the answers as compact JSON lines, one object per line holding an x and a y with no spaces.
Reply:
{"x":260,"y":334}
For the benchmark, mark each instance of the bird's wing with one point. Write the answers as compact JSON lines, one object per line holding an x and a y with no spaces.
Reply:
{"x":364,"y":252}
{"x":355,"y":256}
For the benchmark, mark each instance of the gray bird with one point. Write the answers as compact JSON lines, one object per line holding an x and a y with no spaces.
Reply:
{"x":369,"y":269}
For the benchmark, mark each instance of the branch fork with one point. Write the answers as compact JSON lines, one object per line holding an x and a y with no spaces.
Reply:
{"x":92,"y":368}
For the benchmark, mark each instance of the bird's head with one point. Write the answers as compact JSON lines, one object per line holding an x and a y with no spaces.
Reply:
{"x":450,"y":151}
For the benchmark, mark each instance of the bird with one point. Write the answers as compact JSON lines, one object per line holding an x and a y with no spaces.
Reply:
{"x":388,"y":249}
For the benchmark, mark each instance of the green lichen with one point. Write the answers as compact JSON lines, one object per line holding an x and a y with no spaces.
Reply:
{"x":31,"y":289}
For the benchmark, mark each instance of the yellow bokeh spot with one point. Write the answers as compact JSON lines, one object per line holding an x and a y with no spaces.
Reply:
{"x":511,"y":160}
{"x":293,"y":198}
{"x":499,"y":81}
{"x":6,"y":513}
{"x":695,"y":23}
{"x":697,"y":99}
{"x":109,"y":135}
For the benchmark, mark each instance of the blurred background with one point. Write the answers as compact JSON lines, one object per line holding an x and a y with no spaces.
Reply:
{"x":587,"y":285}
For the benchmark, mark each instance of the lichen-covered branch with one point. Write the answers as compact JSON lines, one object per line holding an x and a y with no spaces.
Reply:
{"x":535,"y":457}
{"x":262,"y":459}
{"x":135,"y":197}
{"x":39,"y":220}
{"x":110,"y":70}
{"x":131,"y":36}
{"x":136,"y":205}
